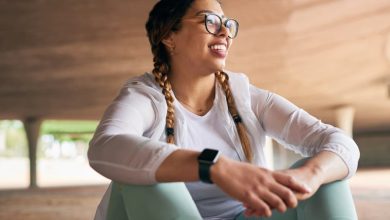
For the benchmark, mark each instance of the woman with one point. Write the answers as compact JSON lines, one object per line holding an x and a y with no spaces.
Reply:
{"x":192,"y":121}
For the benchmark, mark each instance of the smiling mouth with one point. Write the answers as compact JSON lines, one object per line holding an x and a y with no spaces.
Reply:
{"x":219,"y":50}
{"x":218,"y":47}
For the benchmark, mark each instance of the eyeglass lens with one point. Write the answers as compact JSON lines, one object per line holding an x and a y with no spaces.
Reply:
{"x":214,"y":23}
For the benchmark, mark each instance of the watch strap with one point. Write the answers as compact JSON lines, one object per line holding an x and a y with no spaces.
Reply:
{"x":207,"y":158}
{"x":204,"y":172}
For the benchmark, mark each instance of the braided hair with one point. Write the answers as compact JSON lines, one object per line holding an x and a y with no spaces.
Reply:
{"x":164,"y":18}
{"x":223,"y":79}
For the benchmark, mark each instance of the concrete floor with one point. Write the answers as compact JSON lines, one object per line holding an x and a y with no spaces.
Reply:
{"x":371,"y":190}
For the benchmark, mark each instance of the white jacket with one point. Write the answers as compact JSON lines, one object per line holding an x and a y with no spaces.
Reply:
{"x":129,"y":143}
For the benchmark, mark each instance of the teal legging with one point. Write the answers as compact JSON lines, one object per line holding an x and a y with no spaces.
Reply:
{"x":165,"y":201}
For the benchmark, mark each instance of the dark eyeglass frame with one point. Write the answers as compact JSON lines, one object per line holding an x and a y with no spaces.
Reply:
{"x":222,"y":23}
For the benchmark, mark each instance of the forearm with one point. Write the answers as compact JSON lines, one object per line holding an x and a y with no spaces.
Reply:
{"x":179,"y":166}
{"x":327,"y":166}
{"x":128,"y":158}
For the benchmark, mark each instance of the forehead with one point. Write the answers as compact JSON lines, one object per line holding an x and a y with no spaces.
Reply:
{"x":205,"y":5}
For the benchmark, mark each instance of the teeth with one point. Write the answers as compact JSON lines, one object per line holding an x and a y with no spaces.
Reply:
{"x":218,"y":47}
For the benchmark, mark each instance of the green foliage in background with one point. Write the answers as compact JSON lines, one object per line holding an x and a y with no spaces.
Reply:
{"x":69,"y":130}
{"x":15,"y":138}
{"x":16,"y":141}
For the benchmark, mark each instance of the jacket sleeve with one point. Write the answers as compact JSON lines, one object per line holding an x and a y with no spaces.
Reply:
{"x":118,"y":150}
{"x":297,"y":130}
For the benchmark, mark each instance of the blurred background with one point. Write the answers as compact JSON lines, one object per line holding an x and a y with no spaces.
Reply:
{"x":62,"y":63}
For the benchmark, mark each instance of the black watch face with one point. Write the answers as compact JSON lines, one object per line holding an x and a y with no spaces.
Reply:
{"x":208,"y":155}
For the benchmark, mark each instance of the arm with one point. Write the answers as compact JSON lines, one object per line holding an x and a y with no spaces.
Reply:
{"x":334,"y":154}
{"x":118,"y":149}
{"x":326,"y":166}
{"x":301,"y":132}
{"x":255,"y":187}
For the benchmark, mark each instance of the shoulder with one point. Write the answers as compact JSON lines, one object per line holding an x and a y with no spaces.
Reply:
{"x":243,"y":79}
{"x":144,"y":81}
{"x":241,"y":83}
{"x":235,"y":77}
{"x":243,"y":89}
{"x":142,"y":86}
{"x":140,"y":94}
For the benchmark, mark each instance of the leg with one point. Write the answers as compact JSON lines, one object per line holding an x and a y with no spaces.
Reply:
{"x":332,"y":201}
{"x":161,"y":201}
{"x":116,"y":206}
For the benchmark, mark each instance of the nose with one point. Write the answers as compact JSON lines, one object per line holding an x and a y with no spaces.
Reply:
{"x":224,"y":31}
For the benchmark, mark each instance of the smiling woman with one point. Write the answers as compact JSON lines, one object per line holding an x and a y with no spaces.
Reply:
{"x":190,"y":120}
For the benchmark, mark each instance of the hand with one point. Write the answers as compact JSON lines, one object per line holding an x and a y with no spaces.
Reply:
{"x":297,"y":175}
{"x":260,"y":190}
{"x":307,"y":176}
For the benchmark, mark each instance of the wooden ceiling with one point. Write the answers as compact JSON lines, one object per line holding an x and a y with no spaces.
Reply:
{"x":67,"y":59}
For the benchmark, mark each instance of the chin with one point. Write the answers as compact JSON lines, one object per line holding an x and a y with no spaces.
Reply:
{"x":218,"y":66}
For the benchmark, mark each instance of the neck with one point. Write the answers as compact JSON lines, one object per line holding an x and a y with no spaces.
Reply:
{"x":196,"y":91}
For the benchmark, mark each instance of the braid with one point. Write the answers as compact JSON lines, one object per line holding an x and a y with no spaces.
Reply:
{"x":223,"y":79}
{"x":164,"y":18}
{"x":160,"y":73}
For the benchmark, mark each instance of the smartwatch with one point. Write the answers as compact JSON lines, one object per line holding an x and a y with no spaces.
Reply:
{"x":206,"y":159}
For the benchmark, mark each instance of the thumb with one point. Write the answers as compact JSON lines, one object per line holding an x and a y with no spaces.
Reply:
{"x":292,"y":183}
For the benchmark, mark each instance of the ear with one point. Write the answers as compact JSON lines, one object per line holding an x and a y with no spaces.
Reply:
{"x":168,"y":41}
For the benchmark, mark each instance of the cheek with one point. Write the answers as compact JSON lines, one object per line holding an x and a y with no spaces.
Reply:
{"x":192,"y":44}
{"x":197,"y":45}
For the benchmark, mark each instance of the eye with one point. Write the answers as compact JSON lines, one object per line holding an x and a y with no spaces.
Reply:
{"x":229,"y":24}
{"x":211,"y":20}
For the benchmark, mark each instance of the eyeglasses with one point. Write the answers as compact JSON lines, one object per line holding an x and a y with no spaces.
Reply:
{"x":214,"y":23}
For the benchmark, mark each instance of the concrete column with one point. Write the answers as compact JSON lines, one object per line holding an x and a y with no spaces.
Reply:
{"x":32,"y":127}
{"x":344,"y":118}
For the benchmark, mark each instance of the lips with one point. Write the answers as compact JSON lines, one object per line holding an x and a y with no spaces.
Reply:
{"x":219,"y":49}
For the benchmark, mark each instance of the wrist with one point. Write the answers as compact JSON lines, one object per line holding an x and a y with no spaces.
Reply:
{"x":206,"y":160}
{"x":316,"y":171}
{"x":218,"y":168}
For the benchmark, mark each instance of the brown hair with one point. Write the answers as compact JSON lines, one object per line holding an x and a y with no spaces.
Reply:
{"x":164,"y":18}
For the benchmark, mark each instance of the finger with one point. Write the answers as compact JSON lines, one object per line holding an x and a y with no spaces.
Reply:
{"x":302,"y":196}
{"x":260,"y":214}
{"x":258,"y":204}
{"x":291,"y":183}
{"x":286,"y":194}
{"x":249,"y":212}
{"x":256,"y":213}
{"x":274,"y":201}
{"x":252,"y":212}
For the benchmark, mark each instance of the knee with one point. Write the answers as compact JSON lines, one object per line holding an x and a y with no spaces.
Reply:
{"x":331,"y":201}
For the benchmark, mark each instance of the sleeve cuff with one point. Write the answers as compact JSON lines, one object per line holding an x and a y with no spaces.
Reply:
{"x":350,"y":156}
{"x":161,"y":155}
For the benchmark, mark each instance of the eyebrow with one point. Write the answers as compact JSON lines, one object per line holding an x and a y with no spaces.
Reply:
{"x":207,"y":12}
